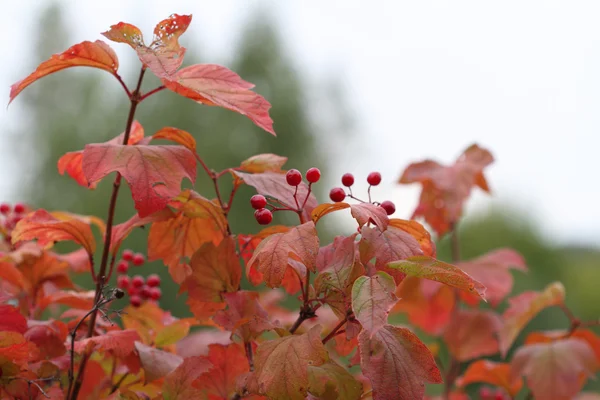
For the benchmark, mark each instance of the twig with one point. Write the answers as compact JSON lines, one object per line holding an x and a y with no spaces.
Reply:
{"x":134,"y":101}
{"x":249,"y":355}
{"x":150,"y":93}
{"x":334,"y":331}
{"x":306,"y":312}
{"x":119,"y":382}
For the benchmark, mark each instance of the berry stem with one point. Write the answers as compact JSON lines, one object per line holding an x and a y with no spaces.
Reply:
{"x":134,"y":99}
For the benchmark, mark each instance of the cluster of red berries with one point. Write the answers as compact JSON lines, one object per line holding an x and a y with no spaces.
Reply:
{"x":293,"y":177}
{"x":338,"y":194}
{"x":140,"y":289}
{"x":489,"y":393}
{"x":9,"y":216}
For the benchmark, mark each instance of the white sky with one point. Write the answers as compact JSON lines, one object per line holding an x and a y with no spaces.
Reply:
{"x":427,"y":78}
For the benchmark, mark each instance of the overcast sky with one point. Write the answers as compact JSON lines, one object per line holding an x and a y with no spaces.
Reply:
{"x":426,"y":78}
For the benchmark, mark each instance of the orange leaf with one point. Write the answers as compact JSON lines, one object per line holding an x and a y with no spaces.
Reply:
{"x":472,"y":334}
{"x":372,"y":299}
{"x":71,"y":162}
{"x":11,"y":274}
{"x":272,"y":254}
{"x":49,"y":337}
{"x":555,"y":370}
{"x":228,"y":363}
{"x":178,"y":384}
{"x":282,"y":364}
{"x":154,"y":173}
{"x":384,"y":359}
{"x":263,"y":163}
{"x":439,"y":271}
{"x":523,"y":308}
{"x":417,"y":231}
{"x":156,"y":363}
{"x":248,"y":243}
{"x":548,"y":336}
{"x":244,"y":315}
{"x":214,"y":85}
{"x":121,"y":343}
{"x":47,"y":229}
{"x":214,"y":270}
{"x":326,"y":208}
{"x":86,"y":54}
{"x":121,"y":231}
{"x":446,"y":188}
{"x":80,"y":300}
{"x":178,"y":136}
{"x":364,"y":213}
{"x":493,"y":373}
{"x":15,"y":348}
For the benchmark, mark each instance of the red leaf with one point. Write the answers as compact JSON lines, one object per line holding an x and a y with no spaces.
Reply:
{"x":555,"y":370}
{"x":272,"y":184}
{"x":15,"y":348}
{"x":214,"y":271}
{"x":121,"y":343}
{"x":417,"y":231}
{"x":164,"y":55}
{"x":156,"y":363}
{"x":86,"y":54}
{"x":47,"y":229}
{"x":80,"y":300}
{"x":439,"y":271}
{"x":493,"y":271}
{"x":214,"y":85}
{"x":523,"y":308}
{"x":228,"y":363}
{"x":364,"y":213}
{"x":71,"y":162}
{"x":445,"y":189}
{"x":49,"y":337}
{"x":472,"y":334}
{"x":244,"y":315}
{"x":393,"y":244}
{"x":397,"y":363}
{"x":272,"y":254}
{"x":263,"y":163}
{"x":493,"y":373}
{"x":178,"y":136}
{"x":248,"y":243}
{"x":372,"y":299}
{"x":282,"y":364}
{"x":154,"y":173}
{"x":11,"y":319}
{"x":178,"y":384}
{"x":548,"y":336}
{"x":121,"y":231}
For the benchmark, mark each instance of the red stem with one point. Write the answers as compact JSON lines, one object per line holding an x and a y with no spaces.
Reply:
{"x":101,"y":278}
{"x":150,"y":93}
{"x":334,"y":330}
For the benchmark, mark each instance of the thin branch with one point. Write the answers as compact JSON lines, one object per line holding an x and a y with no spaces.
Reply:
{"x":335,"y":330}
{"x":249,"y":355}
{"x":119,"y":382}
{"x":150,"y":93}
{"x":134,"y":101}
{"x":124,"y":85}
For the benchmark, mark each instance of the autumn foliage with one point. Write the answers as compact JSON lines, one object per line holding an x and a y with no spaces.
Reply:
{"x":60,"y":341}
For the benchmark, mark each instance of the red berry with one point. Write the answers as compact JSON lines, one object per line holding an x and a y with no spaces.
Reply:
{"x":155,"y":293}
{"x":145,"y":292}
{"x":293,"y":177}
{"x":389,"y":207}
{"x":258,"y":201}
{"x":313,"y":175}
{"x":135,"y":300}
{"x":123,"y":281}
{"x":337,"y":194}
{"x":485,"y":392}
{"x":137,"y":281}
{"x":347,"y":179}
{"x":19,"y":208}
{"x":127,"y":255}
{"x":122,"y":267}
{"x":263,"y":216}
{"x":4,"y":208}
{"x":133,"y":291}
{"x":138,"y":259}
{"x":374,"y":178}
{"x":153,"y":280}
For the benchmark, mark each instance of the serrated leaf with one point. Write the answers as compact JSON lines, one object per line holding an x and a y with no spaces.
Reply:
{"x":330,"y":381}
{"x":47,"y":229}
{"x":397,"y":363}
{"x":372,"y":299}
{"x":555,"y":370}
{"x":154,"y":173}
{"x":493,"y":373}
{"x":228,"y":363}
{"x":364,"y":213}
{"x":244,"y":315}
{"x":282,"y":364}
{"x":446,"y":188}
{"x":523,"y":308}
{"x":326,"y":208}
{"x":267,"y":162}
{"x":215,"y":85}
{"x":438,"y":271}
{"x":472,"y":334}
{"x":85,"y":54}
{"x":271,"y":256}
{"x":156,"y":363}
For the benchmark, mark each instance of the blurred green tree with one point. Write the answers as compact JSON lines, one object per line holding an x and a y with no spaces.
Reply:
{"x":67,"y":110}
